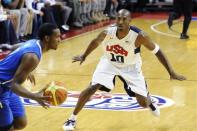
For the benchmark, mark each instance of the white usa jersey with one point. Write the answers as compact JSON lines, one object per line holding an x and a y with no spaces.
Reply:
{"x":121,"y":52}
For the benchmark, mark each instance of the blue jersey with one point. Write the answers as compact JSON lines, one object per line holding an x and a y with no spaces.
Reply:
{"x":9,"y":65}
{"x":11,"y":105}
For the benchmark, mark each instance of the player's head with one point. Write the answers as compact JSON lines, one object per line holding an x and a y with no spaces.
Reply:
{"x":49,"y":34}
{"x":123,"y":19}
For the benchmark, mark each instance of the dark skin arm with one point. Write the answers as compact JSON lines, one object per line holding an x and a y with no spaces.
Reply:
{"x":28,"y":63}
{"x":10,"y":47}
{"x":144,"y":40}
{"x":92,"y":46}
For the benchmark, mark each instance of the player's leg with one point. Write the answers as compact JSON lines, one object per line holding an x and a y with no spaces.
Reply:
{"x":136,"y":86}
{"x":176,"y":13}
{"x":187,"y":11}
{"x":18,"y":111}
{"x":85,"y":96}
{"x":102,"y":79}
{"x":6,"y":117}
{"x":103,"y":76}
{"x":20,"y":122}
{"x":143,"y":101}
{"x":146,"y":102}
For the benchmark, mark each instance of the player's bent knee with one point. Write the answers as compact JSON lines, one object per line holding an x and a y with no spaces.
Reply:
{"x":88,"y":91}
{"x":93,"y":88}
{"x":20,"y":127}
{"x":20,"y":124}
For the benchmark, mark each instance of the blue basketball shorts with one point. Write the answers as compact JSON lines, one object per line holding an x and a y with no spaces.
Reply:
{"x":10,"y":107}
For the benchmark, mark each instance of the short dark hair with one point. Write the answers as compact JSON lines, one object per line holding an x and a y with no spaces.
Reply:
{"x":46,"y":29}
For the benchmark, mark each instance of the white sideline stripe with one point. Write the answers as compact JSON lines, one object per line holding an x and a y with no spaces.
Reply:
{"x":162,"y":33}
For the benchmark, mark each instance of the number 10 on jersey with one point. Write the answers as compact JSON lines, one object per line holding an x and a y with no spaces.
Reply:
{"x":117,"y":58}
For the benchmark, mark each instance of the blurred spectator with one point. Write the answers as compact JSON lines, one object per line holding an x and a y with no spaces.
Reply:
{"x":98,"y":7}
{"x":111,"y":8}
{"x":76,"y":11}
{"x":16,"y":7}
{"x":7,"y":32}
{"x":36,"y":14}
{"x":60,"y":12}
{"x":121,"y":4}
{"x":85,"y":12}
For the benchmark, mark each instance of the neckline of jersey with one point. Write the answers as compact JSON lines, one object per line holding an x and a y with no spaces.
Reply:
{"x":123,"y":37}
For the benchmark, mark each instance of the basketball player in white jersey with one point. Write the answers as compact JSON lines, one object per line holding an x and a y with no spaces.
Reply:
{"x":121,"y":45}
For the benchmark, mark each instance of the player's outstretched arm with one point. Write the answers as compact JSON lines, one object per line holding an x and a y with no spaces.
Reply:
{"x":92,"y":46}
{"x":144,"y":40}
{"x":10,"y":47}
{"x":28,"y":63}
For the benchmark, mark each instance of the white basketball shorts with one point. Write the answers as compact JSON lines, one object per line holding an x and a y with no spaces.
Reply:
{"x":105,"y":73}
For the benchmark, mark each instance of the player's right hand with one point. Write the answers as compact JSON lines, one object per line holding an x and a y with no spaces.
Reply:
{"x":42,"y":100}
{"x":80,"y":58}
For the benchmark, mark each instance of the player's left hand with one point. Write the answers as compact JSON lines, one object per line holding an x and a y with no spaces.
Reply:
{"x":80,"y":58}
{"x":175,"y":76}
{"x":41,"y":99}
{"x":32,"y":79}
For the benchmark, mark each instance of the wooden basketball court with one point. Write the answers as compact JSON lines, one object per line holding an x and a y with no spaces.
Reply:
{"x":182,"y":116}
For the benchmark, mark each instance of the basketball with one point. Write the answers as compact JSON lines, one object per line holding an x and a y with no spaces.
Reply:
{"x":57,"y":91}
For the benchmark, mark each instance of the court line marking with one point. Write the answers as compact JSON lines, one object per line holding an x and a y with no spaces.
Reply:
{"x":153,"y":28}
{"x":98,"y":102}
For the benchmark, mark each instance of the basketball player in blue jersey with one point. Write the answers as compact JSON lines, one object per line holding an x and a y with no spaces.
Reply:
{"x":121,"y":44}
{"x":15,"y":69}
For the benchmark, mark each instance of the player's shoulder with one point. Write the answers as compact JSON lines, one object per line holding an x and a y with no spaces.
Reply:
{"x":29,"y":44}
{"x":135,"y":29}
{"x":30,"y":56}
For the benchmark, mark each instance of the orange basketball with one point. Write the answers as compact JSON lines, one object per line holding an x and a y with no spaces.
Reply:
{"x":57,"y":91}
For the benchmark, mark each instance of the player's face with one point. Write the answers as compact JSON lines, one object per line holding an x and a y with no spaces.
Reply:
{"x":123,"y":22}
{"x":54,"y":39}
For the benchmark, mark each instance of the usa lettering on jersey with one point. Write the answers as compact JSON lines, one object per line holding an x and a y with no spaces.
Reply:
{"x":117,"y":49}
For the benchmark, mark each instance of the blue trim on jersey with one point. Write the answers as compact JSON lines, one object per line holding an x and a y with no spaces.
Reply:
{"x":135,"y":29}
{"x":137,"y":50}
